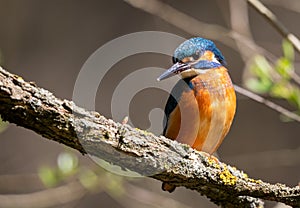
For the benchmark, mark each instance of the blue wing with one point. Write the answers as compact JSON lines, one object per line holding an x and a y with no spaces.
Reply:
{"x":180,"y":87}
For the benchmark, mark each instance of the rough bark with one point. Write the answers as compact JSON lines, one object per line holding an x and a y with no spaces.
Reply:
{"x":29,"y":106}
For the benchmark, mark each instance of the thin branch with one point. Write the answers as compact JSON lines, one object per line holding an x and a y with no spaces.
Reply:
{"x":73,"y":191}
{"x":239,"y":23}
{"x":239,"y":20}
{"x":279,"y":26}
{"x":166,"y":160}
{"x":215,"y":32}
{"x":271,"y":17}
{"x":292,"y":5}
{"x":45,"y":198}
{"x":184,"y":21}
{"x":267,"y":102}
{"x":196,"y":27}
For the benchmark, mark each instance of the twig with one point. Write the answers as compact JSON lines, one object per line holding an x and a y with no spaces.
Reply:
{"x":295,"y":77}
{"x":215,"y":32}
{"x":73,"y":191}
{"x":239,"y":20}
{"x":45,"y":198}
{"x":270,"y":16}
{"x":266,"y":102}
{"x":183,"y":21}
{"x":238,"y":11}
{"x":287,"y":4}
{"x":166,"y":160}
{"x":196,"y":27}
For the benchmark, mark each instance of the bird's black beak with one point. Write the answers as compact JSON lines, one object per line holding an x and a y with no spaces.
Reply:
{"x":175,"y":69}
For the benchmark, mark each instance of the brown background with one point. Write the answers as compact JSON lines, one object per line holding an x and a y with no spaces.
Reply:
{"x":49,"y":41}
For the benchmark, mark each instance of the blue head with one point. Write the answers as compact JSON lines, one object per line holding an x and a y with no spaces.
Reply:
{"x":193,"y":57}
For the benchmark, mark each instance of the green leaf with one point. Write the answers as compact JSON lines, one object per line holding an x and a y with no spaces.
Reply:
{"x":88,"y":179}
{"x":48,"y":176}
{"x":259,"y":86}
{"x":284,"y":67}
{"x":285,"y":118}
{"x":114,"y":185}
{"x":280,"y":90}
{"x":288,"y":50}
{"x":261,"y":67}
{"x":294,"y":97}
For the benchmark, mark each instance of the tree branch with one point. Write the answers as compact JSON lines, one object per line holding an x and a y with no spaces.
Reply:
{"x":287,"y":4}
{"x":195,"y":27}
{"x":267,"y":102}
{"x":214,"y":32}
{"x":270,"y":16}
{"x":62,"y":121}
{"x":57,"y":196}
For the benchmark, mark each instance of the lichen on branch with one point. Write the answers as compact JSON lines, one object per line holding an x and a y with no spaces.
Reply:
{"x":29,"y":106}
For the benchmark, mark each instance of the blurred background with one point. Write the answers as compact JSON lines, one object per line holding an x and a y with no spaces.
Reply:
{"x":49,"y":41}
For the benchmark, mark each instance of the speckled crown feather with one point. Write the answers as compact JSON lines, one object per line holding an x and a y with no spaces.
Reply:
{"x":197,"y":44}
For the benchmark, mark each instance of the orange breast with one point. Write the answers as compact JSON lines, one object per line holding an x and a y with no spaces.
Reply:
{"x":204,"y":114}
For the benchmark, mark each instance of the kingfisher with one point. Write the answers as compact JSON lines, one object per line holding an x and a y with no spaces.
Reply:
{"x":202,"y":104}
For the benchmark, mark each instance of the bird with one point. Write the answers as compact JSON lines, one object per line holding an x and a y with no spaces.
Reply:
{"x":202,"y":104}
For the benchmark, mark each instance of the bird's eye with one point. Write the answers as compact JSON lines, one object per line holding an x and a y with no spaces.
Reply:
{"x":175,"y":60}
{"x":195,"y":56}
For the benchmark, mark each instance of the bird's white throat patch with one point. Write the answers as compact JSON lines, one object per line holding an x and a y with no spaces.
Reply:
{"x":192,"y":72}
